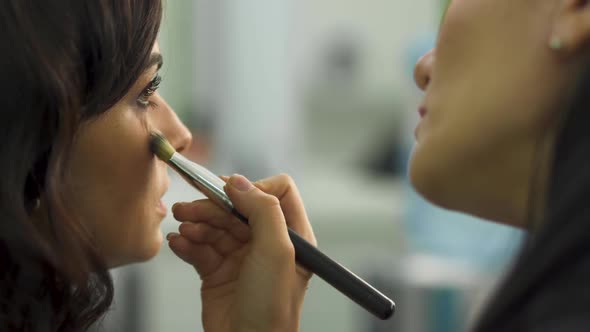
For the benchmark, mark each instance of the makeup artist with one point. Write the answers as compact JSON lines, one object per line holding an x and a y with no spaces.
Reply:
{"x":504,"y":135}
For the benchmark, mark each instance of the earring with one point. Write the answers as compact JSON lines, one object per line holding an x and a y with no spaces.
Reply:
{"x":556,"y":44}
{"x":36,"y":203}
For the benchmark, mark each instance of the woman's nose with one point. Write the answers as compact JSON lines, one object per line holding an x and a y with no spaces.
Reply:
{"x":423,"y":70}
{"x":175,"y":131}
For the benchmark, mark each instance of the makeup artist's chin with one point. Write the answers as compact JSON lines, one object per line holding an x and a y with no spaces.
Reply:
{"x":427,"y":176}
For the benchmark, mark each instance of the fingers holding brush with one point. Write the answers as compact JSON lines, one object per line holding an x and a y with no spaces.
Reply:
{"x":205,"y":259}
{"x":266,"y":219}
{"x":220,"y":240}
{"x":283,"y":187}
{"x":205,"y":211}
{"x":213,"y":252}
{"x":238,"y":263}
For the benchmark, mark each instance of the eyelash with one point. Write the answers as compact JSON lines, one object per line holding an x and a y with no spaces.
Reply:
{"x":143,"y":99}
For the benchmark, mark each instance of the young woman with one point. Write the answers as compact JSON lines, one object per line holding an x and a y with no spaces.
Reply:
{"x":504,"y":136}
{"x":80,"y":190}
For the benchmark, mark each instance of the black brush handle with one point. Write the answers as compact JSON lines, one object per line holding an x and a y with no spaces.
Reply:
{"x":338,"y":276}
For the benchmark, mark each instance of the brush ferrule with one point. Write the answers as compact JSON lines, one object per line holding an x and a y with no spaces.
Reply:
{"x":202,"y":179}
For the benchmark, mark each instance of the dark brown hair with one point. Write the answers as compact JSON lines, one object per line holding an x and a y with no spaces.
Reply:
{"x":548,"y":288}
{"x":63,"y":63}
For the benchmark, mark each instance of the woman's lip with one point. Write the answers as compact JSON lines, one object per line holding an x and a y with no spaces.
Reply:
{"x":161,"y":208}
{"x":422,"y":111}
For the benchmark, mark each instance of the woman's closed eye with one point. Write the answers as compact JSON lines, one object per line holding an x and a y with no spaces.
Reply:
{"x":143,"y":100}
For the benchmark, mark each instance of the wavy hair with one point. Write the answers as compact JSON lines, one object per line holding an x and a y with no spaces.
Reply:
{"x":548,"y":288}
{"x":63,"y":63}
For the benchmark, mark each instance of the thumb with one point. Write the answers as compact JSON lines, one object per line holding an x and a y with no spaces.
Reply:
{"x":263,"y":211}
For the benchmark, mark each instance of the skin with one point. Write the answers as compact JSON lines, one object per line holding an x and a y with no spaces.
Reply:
{"x":494,"y":92}
{"x":117,"y":183}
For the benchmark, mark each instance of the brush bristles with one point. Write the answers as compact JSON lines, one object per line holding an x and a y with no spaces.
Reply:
{"x":161,"y":147}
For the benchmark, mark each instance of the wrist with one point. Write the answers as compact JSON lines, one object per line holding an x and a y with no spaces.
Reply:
{"x":282,"y":328}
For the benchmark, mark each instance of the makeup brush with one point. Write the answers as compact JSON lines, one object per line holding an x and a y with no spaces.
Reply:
{"x":306,"y":254}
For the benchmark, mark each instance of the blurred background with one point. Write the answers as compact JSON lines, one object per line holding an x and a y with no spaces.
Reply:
{"x":322,"y":90}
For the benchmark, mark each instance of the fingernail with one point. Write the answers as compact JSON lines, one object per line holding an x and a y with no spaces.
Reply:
{"x":176,"y":205}
{"x":171,"y":236}
{"x":240,"y":182}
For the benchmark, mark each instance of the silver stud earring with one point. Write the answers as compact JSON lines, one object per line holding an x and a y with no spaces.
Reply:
{"x":37,"y":204}
{"x":556,"y":43}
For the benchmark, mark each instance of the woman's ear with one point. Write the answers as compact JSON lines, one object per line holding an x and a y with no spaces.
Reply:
{"x":570,"y":33}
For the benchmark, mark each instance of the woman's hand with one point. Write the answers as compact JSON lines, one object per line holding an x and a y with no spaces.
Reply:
{"x":250,"y":281}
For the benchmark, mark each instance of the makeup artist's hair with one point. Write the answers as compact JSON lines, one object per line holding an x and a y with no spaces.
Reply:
{"x":548,"y":288}
{"x":62,"y":63}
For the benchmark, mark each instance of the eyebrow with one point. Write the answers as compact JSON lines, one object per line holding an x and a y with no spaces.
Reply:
{"x":155,"y":59}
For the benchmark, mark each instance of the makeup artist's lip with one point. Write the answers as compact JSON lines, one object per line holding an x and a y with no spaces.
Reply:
{"x":422,"y":111}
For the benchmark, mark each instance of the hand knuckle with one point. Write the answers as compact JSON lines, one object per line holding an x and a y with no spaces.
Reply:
{"x":289,"y":251}
{"x":270,"y":201}
{"x":284,"y":254}
{"x":286,"y":178}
